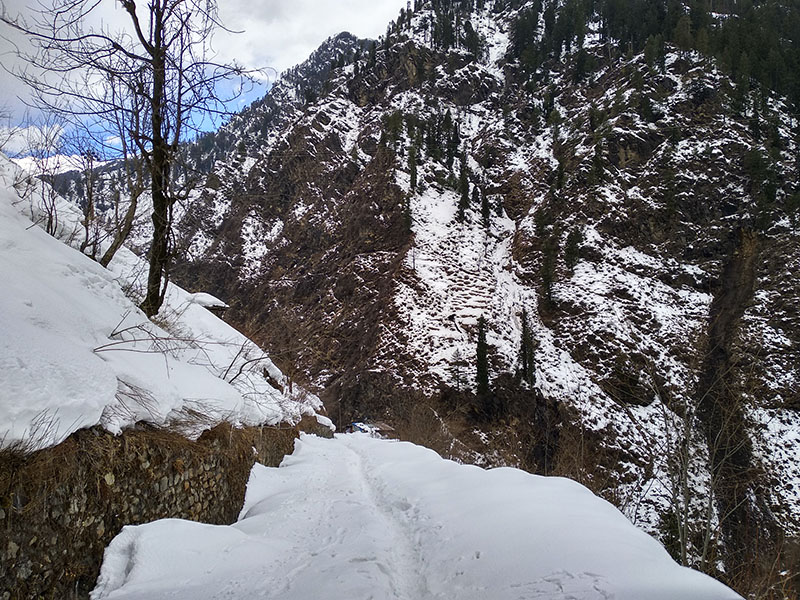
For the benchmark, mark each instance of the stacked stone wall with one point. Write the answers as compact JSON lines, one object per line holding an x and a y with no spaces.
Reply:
{"x":60,"y":507}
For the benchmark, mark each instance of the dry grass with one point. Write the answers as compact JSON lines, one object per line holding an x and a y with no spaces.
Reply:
{"x":775,"y":575}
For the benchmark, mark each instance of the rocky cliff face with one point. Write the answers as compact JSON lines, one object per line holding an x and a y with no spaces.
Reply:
{"x":626,"y":227}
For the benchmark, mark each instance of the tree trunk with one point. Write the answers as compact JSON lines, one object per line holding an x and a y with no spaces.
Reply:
{"x":159,"y":250}
{"x":123,"y":231}
{"x":159,"y":183}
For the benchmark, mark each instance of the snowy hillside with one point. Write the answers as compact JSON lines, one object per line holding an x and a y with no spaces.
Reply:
{"x":357,"y":517}
{"x":619,"y":207}
{"x":385,"y":280}
{"x":76,"y":351}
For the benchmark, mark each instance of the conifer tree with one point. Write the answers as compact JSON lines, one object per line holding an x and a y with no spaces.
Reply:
{"x":447,"y":122}
{"x":472,"y":41}
{"x":486,"y":210}
{"x":670,"y":193}
{"x":527,"y":351}
{"x":547,"y":270}
{"x":458,"y":369}
{"x":598,"y":170}
{"x":373,"y":50}
{"x":393,"y":125}
{"x":560,"y":173}
{"x":412,"y":166}
{"x":651,"y":52}
{"x":453,"y":139}
{"x":702,"y":42}
{"x":572,"y":248}
{"x":792,"y":206}
{"x":596,"y":117}
{"x":683,"y":34}
{"x":482,"y":364}
{"x":582,"y":65}
{"x":463,"y":186}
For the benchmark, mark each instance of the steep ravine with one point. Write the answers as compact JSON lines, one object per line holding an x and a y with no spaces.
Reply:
{"x":721,"y":411}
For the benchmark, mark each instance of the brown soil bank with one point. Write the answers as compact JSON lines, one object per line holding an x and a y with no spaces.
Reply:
{"x":60,"y":507}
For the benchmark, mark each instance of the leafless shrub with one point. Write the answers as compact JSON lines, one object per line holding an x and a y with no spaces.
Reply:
{"x":195,"y":417}
{"x":7,"y":131}
{"x":131,"y":401}
{"x":141,"y":339}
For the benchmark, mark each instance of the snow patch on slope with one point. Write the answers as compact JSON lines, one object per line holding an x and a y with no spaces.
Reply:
{"x":75,"y":351}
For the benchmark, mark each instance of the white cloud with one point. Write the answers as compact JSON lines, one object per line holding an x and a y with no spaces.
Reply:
{"x":276,"y":34}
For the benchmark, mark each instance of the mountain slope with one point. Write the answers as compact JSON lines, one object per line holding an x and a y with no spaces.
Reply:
{"x":624,"y":221}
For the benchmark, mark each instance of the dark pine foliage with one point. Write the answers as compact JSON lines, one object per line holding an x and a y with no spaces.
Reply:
{"x":482,"y":364}
{"x":756,"y":42}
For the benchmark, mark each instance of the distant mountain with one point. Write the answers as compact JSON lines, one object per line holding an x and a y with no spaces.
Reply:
{"x":248,"y":131}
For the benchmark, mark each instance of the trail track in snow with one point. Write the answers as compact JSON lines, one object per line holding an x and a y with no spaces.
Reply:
{"x":337,"y":540}
{"x":356,"y":542}
{"x":361,"y":519}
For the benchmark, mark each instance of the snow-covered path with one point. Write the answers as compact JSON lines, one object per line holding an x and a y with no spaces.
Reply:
{"x":358,"y":518}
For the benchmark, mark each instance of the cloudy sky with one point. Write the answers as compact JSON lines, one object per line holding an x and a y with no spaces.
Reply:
{"x":275,"y":34}
{"x":281,"y":33}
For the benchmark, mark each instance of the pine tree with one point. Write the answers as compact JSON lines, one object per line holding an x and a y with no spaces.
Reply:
{"x":486,"y":209}
{"x":561,"y":173}
{"x":547,"y":269}
{"x":683,"y":34}
{"x":598,"y":169}
{"x":393,"y":125}
{"x":373,"y":50}
{"x":792,"y":206}
{"x":527,"y":351}
{"x":412,"y":167}
{"x":408,"y":218}
{"x":596,"y":117}
{"x":482,"y":364}
{"x":702,"y":42}
{"x":453,"y":138}
{"x":472,"y":41}
{"x":458,"y":369}
{"x":447,"y":122}
{"x":670,"y":194}
{"x":582,"y":65}
{"x":463,"y":186}
{"x":651,"y":52}
{"x":572,"y":248}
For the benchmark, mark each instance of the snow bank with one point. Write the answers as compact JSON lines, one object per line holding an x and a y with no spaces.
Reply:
{"x":75,"y":351}
{"x":206,"y":300}
{"x":358,"y":517}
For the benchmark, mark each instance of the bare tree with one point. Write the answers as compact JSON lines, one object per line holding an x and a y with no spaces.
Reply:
{"x":132,"y":171}
{"x":44,"y":142}
{"x":82,"y":155}
{"x":7,"y":130}
{"x":158,"y":78}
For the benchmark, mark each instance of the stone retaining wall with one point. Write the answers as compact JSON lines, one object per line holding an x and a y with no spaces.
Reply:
{"x":60,"y":507}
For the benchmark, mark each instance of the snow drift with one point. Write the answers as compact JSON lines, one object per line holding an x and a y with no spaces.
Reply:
{"x":76,"y":351}
{"x":358,"y":517}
